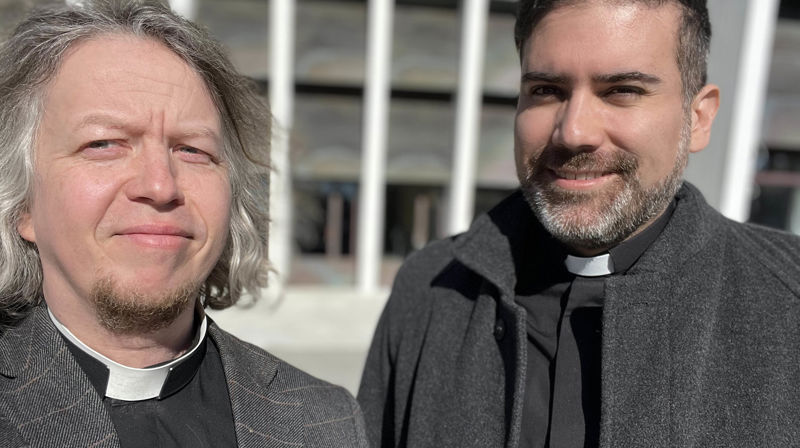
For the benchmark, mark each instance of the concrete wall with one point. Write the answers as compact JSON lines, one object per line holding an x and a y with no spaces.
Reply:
{"x":727,"y":21}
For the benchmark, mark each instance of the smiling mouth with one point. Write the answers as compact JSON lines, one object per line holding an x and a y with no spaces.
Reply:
{"x":579,"y":175}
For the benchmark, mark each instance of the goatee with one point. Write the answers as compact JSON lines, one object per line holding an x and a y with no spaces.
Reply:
{"x":127,"y":312}
{"x":597,"y":219}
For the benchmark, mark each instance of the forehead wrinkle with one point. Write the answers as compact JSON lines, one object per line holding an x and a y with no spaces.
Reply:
{"x":159,"y":83}
{"x":159,"y":118}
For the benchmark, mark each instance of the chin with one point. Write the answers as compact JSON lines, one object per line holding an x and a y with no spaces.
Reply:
{"x":125,"y":309}
{"x":585,"y":219}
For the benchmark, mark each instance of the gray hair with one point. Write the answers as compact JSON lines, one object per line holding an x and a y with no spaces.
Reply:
{"x":30,"y":59}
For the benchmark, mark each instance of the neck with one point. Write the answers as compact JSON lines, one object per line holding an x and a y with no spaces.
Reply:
{"x":132,"y":350}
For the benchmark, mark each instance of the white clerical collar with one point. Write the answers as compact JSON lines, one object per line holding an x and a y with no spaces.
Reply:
{"x":129,"y":383}
{"x":590,"y":266}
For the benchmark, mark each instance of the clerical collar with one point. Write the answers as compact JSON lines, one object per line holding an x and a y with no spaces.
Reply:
{"x":114,"y":380}
{"x":590,"y":266}
{"x":621,"y":257}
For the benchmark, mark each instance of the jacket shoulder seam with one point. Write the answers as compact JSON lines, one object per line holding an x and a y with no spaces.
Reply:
{"x":775,"y":250}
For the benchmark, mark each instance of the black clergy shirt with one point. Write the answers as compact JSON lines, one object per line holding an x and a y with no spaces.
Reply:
{"x":192,"y":410}
{"x":564,"y":324}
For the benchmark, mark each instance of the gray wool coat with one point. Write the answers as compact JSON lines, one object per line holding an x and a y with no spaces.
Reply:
{"x":700,"y":340}
{"x":47,"y":401}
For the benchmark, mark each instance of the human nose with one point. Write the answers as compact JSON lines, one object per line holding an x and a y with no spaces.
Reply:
{"x":155,"y":180}
{"x":579,"y":124}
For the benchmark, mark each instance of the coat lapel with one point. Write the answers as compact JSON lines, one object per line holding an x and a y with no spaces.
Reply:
{"x":44,"y":394}
{"x":492,"y":249}
{"x":653,"y":319}
{"x":264,"y":417}
{"x":644,"y":327}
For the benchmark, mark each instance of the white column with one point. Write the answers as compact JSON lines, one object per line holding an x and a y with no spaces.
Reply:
{"x":371,"y":197}
{"x":748,"y":108}
{"x":281,"y":99}
{"x":468,"y":110}
{"x":184,"y":8}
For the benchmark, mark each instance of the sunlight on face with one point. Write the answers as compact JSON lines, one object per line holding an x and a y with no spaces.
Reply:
{"x":131,"y":185}
{"x":601,"y":134}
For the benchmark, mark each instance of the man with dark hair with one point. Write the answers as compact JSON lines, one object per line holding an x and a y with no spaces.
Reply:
{"x":605,"y":303}
{"x":133,"y":161}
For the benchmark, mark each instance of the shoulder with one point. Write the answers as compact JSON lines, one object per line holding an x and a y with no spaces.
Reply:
{"x":31,"y":338}
{"x":328,"y":409}
{"x":452,"y":271}
{"x":774,"y":251}
{"x":744,"y":246}
{"x":282,"y":377}
{"x":429,"y":276}
{"x":422,"y":266}
{"x":327,"y":412}
{"x":770,"y":241}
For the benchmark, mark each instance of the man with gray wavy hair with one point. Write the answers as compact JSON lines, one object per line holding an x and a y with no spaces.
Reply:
{"x":133,"y":186}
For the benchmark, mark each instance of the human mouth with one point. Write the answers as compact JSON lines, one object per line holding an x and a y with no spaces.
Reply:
{"x":571,"y":179}
{"x":161,"y":236}
{"x":579,"y":175}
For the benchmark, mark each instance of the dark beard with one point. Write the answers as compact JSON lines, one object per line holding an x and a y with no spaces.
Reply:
{"x":131,"y":312}
{"x":596,"y":220}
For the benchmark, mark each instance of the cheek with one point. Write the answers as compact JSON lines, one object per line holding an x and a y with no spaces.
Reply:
{"x":214,"y":202}
{"x":71,"y":202}
{"x":533,"y":128}
{"x":655,"y":142}
{"x":532,"y":133}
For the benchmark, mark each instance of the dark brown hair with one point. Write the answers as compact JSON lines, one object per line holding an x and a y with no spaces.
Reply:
{"x":694,"y":34}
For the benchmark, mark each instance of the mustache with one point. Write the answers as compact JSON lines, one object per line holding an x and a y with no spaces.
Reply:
{"x":558,"y":158}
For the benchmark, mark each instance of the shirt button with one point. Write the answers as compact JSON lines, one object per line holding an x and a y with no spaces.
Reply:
{"x":499,"y":329}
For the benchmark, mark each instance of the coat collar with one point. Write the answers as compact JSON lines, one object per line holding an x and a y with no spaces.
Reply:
{"x":43,"y":391}
{"x":488,"y":248}
{"x":250,"y":372}
{"x":502,"y":236}
{"x":498,"y":238}
{"x":39,"y":374}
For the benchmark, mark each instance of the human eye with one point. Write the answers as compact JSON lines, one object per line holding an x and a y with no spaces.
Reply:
{"x":624,"y":92}
{"x":542,"y":94}
{"x":99,"y":144}
{"x":102,"y":149}
{"x":194,"y":155}
{"x":546,"y":91}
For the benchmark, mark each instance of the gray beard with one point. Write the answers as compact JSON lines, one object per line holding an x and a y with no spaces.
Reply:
{"x":131,"y":312}
{"x":598,"y":220}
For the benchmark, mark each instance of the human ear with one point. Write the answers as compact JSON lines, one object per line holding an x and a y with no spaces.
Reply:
{"x":25,"y":228}
{"x":703,"y":110}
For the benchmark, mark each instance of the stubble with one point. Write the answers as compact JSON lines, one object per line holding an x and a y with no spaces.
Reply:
{"x":601,"y":219}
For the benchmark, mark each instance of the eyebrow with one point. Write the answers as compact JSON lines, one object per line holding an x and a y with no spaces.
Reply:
{"x":105,"y":120}
{"x":609,"y":78}
{"x":545,"y":77}
{"x":613,"y":78}
{"x":111,"y":122}
{"x":201,"y":132}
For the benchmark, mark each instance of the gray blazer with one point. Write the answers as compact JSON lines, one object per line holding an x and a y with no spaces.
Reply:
{"x":46,"y":400}
{"x":700,"y":342}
